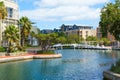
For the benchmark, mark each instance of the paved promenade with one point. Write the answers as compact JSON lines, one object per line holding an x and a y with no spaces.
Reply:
{"x":31,"y":56}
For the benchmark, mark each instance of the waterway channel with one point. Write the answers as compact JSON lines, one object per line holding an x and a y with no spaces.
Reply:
{"x":74,"y":65}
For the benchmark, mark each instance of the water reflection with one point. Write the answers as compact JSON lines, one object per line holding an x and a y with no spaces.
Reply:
{"x":74,"y":65}
{"x":105,"y":64}
{"x":74,"y":60}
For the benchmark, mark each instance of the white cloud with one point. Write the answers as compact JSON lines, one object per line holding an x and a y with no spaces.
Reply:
{"x":54,"y":3}
{"x":65,"y":10}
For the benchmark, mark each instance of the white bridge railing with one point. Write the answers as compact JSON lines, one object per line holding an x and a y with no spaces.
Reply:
{"x":86,"y":46}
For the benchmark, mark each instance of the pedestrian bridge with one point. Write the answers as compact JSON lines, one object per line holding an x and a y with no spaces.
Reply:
{"x":70,"y":45}
{"x":81,"y":46}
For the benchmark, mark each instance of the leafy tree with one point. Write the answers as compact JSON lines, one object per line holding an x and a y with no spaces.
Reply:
{"x":11,"y":35}
{"x":91,"y":38}
{"x":104,"y":41}
{"x":3,"y":11}
{"x":46,"y":40}
{"x":3,"y":14}
{"x":25,"y":25}
{"x":61,"y":34}
{"x":110,"y":19}
{"x":61,"y":39}
{"x":72,"y":38}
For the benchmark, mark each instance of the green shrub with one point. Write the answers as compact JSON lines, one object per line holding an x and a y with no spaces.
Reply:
{"x":45,"y":52}
{"x":116,"y":68}
{"x":2,"y":49}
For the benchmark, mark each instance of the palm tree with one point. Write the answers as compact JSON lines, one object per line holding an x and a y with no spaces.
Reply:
{"x":3,"y":14}
{"x":11,"y":35}
{"x":25,"y":25}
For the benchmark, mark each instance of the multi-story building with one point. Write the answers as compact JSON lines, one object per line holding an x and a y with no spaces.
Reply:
{"x":109,"y":36}
{"x":13,"y":15}
{"x":47,"y":31}
{"x":115,"y":44}
{"x":99,"y":34}
{"x":74,"y":27}
{"x":56,"y":30}
{"x":81,"y":31}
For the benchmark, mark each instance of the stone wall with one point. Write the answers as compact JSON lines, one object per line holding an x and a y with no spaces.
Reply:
{"x":108,"y":75}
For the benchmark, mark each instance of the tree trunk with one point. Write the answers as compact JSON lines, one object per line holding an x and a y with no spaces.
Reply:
{"x":8,"y":49}
{"x":22,"y":42}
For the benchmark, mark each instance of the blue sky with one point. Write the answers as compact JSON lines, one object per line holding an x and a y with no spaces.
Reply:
{"x":50,"y":14}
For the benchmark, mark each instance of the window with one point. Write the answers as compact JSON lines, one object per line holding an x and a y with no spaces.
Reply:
{"x":10,"y":12}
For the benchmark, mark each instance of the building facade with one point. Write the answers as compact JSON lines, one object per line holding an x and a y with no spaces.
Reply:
{"x":32,"y":40}
{"x":47,"y":31}
{"x":114,"y":43}
{"x":99,"y":34}
{"x":109,"y":36}
{"x":74,"y":27}
{"x":12,"y":18}
{"x":57,"y":30}
{"x":81,"y":31}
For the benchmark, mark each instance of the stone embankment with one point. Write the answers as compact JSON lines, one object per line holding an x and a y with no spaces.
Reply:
{"x":108,"y":75}
{"x":13,"y":54}
{"x":24,"y":57}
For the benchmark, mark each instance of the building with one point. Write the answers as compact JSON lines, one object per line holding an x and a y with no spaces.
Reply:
{"x":56,"y":30}
{"x":73,"y":27}
{"x":99,"y":34}
{"x":115,"y":44}
{"x":32,"y":40}
{"x":109,"y":36}
{"x":81,"y":31}
{"x":46,"y":31}
{"x":13,"y":15}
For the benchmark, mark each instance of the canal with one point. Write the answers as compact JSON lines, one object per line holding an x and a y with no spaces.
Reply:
{"x":74,"y":65}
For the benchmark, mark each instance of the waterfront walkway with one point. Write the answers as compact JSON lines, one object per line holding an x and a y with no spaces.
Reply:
{"x":28,"y":56}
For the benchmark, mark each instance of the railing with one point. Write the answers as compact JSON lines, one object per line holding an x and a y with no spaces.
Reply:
{"x":85,"y":46}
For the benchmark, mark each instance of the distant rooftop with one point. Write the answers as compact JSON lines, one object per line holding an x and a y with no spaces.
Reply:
{"x":74,"y":27}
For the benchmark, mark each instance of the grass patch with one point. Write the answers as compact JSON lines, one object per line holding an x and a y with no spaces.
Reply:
{"x":116,"y":68}
{"x":46,"y":52}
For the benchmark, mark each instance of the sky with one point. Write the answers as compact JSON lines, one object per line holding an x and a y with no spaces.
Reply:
{"x":50,"y":14}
